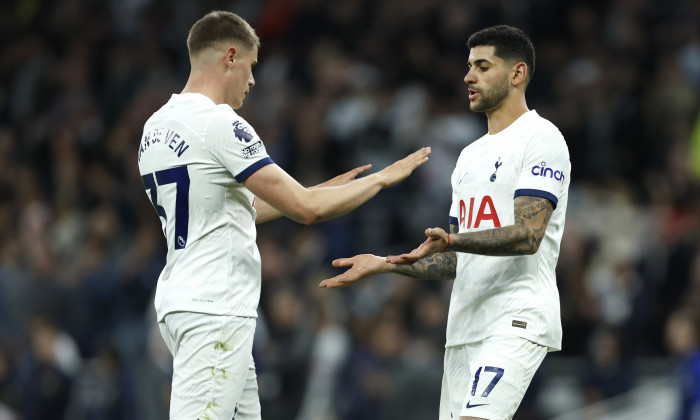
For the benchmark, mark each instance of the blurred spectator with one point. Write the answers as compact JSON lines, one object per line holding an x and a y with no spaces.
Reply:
{"x":683,"y":339}
{"x":608,"y":371}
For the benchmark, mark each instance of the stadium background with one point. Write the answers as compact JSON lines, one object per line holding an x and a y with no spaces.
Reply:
{"x":342,"y":83}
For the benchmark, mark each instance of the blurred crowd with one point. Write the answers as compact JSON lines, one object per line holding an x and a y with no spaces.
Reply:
{"x":340,"y":83}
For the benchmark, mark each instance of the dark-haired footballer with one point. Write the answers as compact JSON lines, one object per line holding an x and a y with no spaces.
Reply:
{"x":509,"y":195}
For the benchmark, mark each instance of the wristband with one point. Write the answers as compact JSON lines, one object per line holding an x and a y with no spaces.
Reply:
{"x":448,"y":243}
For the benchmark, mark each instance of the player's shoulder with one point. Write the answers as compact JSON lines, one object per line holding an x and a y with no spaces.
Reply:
{"x":475,"y":147}
{"x":227,"y":119}
{"x":186,"y":108}
{"x":543,"y":133}
{"x":545,"y":127}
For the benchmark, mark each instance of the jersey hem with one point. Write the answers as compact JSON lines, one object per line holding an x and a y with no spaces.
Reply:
{"x":251,"y":313}
{"x":552,"y":345}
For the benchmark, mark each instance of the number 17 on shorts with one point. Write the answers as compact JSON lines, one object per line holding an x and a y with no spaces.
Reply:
{"x":488,"y":379}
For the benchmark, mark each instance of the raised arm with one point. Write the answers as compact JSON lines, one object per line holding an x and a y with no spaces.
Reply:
{"x":266,"y":212}
{"x":523,"y":237}
{"x":308,"y":206}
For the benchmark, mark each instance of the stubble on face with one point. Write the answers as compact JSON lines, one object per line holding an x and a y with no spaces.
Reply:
{"x":492,"y":97}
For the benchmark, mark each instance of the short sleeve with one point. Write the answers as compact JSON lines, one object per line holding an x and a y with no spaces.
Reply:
{"x":454,"y":207}
{"x":236,"y":145}
{"x":546,"y":167}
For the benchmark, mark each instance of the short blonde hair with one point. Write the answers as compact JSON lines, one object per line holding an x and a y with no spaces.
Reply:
{"x":220,"y":26}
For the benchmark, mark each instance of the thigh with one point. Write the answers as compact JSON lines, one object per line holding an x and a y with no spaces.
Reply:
{"x":249,"y":406}
{"x":500,"y":370}
{"x":212,"y":357}
{"x":455,"y":381}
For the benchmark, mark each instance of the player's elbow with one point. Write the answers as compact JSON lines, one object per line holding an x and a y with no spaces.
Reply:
{"x":532,"y":245}
{"x":530,"y":250}
{"x":311,"y":219}
{"x":309,"y":216}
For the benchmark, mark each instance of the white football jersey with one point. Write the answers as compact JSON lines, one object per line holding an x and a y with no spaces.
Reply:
{"x":193,"y":157}
{"x":512,"y":295}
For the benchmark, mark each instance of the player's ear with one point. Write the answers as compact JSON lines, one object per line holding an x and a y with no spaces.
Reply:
{"x":230,"y":56}
{"x":520,"y":72}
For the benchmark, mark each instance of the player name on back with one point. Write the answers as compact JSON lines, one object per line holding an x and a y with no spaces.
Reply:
{"x":165,"y":138}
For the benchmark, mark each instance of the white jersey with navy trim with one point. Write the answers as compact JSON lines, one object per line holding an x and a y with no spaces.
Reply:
{"x":193,"y":157}
{"x":514,"y":295}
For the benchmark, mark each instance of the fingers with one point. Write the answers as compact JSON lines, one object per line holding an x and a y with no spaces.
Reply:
{"x":334,"y":283}
{"x":342,"y":262}
{"x":402,"y":259}
{"x":435,"y":233}
{"x":398,"y":171}
{"x":423,"y":152}
{"x":420,"y":156}
{"x":337,"y":281}
{"x":355,"y":172}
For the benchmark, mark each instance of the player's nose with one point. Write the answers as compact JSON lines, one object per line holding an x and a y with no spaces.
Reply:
{"x":469,"y":78}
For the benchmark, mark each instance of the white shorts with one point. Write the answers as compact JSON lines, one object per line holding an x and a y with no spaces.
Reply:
{"x":488,"y":379}
{"x":213,"y":370}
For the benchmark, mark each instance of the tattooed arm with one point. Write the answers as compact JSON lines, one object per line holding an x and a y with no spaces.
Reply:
{"x":523,"y":237}
{"x":431,"y":261}
{"x":440,"y":266}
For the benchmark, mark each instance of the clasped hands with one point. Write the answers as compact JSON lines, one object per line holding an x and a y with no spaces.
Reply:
{"x":365,"y":265}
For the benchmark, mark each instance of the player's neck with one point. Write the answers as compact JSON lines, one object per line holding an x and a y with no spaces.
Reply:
{"x":510,"y":110}
{"x":205,"y":83}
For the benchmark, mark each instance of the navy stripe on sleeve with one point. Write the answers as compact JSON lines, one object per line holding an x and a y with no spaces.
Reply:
{"x":538,"y":193}
{"x":252,"y":168}
{"x":454,"y":221}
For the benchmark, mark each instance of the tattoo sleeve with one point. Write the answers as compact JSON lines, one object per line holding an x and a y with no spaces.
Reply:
{"x":532,"y":216}
{"x":440,"y":266}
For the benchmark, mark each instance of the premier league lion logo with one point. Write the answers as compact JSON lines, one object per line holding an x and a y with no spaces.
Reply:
{"x":242,"y":132}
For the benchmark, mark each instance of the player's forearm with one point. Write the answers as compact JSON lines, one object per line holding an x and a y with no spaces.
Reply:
{"x":440,"y":266}
{"x":265,"y":212}
{"x":516,"y":239}
{"x":330,"y":202}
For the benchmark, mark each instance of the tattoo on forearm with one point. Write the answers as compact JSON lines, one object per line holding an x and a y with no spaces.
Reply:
{"x":440,"y":266}
{"x":532,"y":216}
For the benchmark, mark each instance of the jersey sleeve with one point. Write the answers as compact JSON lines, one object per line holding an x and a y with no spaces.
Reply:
{"x":236,"y":145}
{"x":546,"y":168}
{"x":454,"y":207}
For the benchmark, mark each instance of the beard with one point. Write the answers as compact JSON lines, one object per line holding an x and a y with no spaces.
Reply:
{"x":491,"y":98}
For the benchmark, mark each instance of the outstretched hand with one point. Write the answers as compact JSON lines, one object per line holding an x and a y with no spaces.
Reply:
{"x":436,"y":242}
{"x":348,"y":176}
{"x":361,"y":266}
{"x":399,"y":170}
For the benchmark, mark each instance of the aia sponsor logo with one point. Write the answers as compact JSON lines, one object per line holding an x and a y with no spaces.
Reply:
{"x":486,"y":211}
{"x":544,"y":171}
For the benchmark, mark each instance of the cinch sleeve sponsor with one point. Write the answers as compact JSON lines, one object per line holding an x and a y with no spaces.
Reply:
{"x":234,"y":143}
{"x":546,"y":168}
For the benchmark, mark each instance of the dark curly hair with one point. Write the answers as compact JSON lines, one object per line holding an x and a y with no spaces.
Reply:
{"x":510,"y":44}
